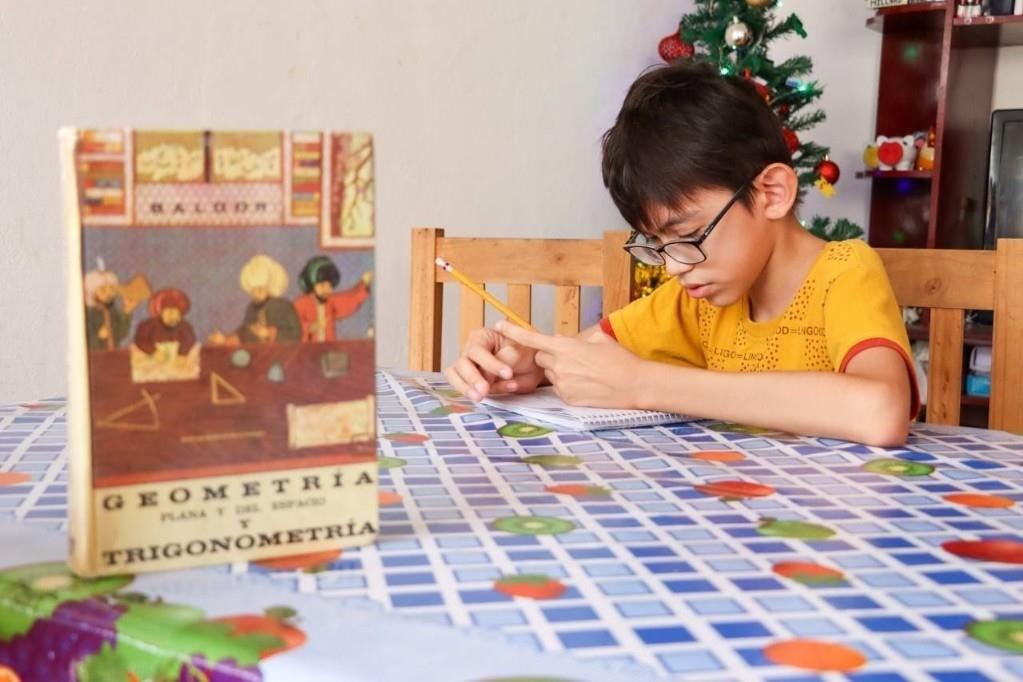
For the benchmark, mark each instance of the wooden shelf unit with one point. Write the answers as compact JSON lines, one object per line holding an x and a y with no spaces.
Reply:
{"x":901,"y":17}
{"x":895,"y":174}
{"x":1003,"y":31}
{"x":936,"y":70}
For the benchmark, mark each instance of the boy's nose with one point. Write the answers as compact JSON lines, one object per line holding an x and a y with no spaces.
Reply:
{"x":676,"y":269}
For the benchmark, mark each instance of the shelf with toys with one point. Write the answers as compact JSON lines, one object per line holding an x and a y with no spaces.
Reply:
{"x":990,"y":31}
{"x":928,"y":162}
{"x":935,"y":88}
{"x":895,"y":174}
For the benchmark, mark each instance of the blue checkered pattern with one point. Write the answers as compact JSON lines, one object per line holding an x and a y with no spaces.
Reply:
{"x":658,"y":574}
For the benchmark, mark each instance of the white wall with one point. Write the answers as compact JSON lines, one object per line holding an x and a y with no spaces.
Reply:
{"x":1008,"y":81}
{"x":487,"y":116}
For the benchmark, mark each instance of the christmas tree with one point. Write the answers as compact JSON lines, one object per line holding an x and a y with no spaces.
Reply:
{"x":734,"y":36}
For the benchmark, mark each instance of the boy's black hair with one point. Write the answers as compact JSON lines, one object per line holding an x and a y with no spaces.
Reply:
{"x":318,"y":269}
{"x":683,"y":128}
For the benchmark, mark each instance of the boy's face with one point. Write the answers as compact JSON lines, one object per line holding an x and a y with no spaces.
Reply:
{"x":737,"y":250}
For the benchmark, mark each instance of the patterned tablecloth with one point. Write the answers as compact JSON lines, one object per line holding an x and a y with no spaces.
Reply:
{"x":705,"y":551}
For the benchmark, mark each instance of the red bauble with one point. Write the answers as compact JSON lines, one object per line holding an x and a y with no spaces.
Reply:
{"x":790,"y":139}
{"x":784,"y":110}
{"x":758,"y":85}
{"x":672,"y":47}
{"x":828,"y":170}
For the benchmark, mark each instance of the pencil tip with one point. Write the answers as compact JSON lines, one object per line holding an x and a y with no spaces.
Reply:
{"x":442,"y":263}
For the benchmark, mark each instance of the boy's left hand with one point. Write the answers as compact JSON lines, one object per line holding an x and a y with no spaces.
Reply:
{"x":596,"y":372}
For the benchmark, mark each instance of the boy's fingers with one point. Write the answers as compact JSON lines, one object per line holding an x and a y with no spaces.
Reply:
{"x":486,"y":361}
{"x":456,"y":381}
{"x":510,"y":355}
{"x":543,"y":359}
{"x":476,"y":385}
{"x":525,"y":337}
{"x":505,"y":387}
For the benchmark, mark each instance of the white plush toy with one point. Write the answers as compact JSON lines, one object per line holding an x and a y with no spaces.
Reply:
{"x":896,"y":153}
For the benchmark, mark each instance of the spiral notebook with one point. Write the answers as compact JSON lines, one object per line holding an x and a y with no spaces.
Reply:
{"x":544,"y":405}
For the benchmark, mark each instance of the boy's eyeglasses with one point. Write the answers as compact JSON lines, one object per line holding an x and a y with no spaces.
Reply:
{"x":687,"y":251}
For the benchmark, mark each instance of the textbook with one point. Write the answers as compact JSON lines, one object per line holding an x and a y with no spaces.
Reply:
{"x":545,"y":405}
{"x":221,"y":355}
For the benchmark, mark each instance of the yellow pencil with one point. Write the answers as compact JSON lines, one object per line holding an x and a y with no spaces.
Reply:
{"x":482,"y":293}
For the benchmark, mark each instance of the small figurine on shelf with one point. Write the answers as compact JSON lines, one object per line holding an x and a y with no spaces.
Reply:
{"x":870,"y":159}
{"x":925,"y":157}
{"x":896,"y":153}
{"x":969,"y":9}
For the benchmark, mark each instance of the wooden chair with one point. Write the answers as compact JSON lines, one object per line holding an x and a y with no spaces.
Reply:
{"x":949,"y":282}
{"x":567,"y":264}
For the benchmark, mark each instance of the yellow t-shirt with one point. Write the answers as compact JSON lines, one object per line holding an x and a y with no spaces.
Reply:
{"x":844,"y":306}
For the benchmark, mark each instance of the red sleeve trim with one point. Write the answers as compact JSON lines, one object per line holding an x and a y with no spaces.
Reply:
{"x":914,"y":387}
{"x":605,"y":326}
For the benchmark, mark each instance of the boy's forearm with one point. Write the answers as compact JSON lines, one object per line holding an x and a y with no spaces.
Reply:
{"x":815,"y":403}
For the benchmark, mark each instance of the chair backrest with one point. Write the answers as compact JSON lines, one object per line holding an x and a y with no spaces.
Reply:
{"x":566,"y":264}
{"x":950,"y":282}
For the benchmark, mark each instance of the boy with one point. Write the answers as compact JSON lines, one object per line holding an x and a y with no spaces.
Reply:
{"x":761,"y":322}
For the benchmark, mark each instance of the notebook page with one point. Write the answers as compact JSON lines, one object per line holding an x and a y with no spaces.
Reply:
{"x":544,"y":404}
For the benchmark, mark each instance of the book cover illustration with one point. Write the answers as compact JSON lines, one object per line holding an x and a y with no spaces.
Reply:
{"x":221,"y":346}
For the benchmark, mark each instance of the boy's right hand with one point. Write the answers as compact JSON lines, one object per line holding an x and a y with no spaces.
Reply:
{"x":491,"y":364}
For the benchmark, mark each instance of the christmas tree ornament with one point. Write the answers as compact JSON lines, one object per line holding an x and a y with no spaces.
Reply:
{"x":759,"y":84}
{"x":790,"y":139}
{"x":672,"y":47}
{"x":737,"y":34}
{"x":759,"y":4}
{"x":828,"y":170}
{"x":784,"y":110}
{"x":825,"y":187}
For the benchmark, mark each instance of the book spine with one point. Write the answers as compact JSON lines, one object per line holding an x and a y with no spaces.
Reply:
{"x":81,"y":531}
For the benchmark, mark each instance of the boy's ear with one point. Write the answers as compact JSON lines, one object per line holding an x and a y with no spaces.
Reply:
{"x":778,"y":189}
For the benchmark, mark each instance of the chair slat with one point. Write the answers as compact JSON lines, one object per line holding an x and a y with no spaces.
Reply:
{"x":617,"y":271}
{"x":470,"y":314}
{"x":1007,"y":349}
{"x":566,"y":311}
{"x":520,"y":300}
{"x":524,"y":261}
{"x":941,"y":278}
{"x":945,"y":373}
{"x":426,"y":303}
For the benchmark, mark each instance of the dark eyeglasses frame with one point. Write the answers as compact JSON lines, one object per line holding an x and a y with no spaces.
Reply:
{"x":697,"y":242}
